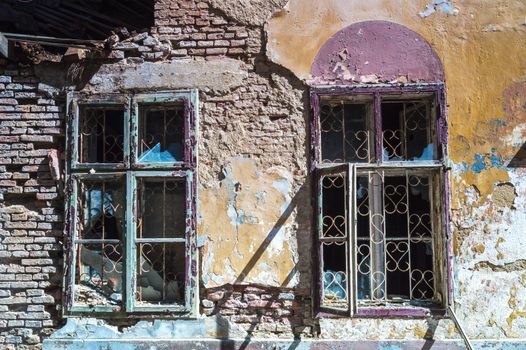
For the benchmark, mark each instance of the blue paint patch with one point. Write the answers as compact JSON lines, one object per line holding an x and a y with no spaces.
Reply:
{"x":499,"y":122}
{"x":495,"y":161}
{"x":479,"y":164}
{"x":483,"y":162}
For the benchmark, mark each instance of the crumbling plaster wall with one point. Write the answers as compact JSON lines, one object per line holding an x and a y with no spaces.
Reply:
{"x":254,"y":225}
{"x":481,"y":46}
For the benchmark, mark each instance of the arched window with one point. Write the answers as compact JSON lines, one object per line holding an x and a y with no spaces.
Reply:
{"x":378,"y":153}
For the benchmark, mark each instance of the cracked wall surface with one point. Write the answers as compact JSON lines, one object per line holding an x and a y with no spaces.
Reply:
{"x":252,"y":64}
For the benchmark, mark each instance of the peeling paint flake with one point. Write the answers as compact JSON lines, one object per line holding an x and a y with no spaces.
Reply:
{"x":443,"y":6}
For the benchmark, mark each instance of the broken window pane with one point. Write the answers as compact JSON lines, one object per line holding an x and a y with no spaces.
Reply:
{"x":344,"y":132}
{"x":161,"y":132}
{"x":407,"y":129}
{"x":394,"y":238}
{"x":98,"y":276}
{"x":101,"y":135}
{"x":333,"y":237}
{"x":160,"y":273}
{"x":100,"y":228}
{"x":162,"y":208}
{"x":161,"y":265}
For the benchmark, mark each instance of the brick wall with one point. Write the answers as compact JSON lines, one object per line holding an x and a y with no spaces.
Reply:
{"x":31,"y":125}
{"x":268,"y":107}
{"x":261,"y":310}
{"x":188,"y":29}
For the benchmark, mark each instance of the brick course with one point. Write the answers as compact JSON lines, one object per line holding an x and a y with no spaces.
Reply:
{"x":31,"y":124}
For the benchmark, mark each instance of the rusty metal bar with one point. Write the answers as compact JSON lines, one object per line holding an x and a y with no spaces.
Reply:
{"x":459,"y":328}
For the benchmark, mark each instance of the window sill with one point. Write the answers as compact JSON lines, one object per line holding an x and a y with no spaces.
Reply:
{"x":409,"y":312}
{"x":389,"y":312}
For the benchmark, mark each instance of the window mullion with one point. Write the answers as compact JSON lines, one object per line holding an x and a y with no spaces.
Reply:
{"x":408,"y":215}
{"x":130,"y":256}
{"x":191,"y":295}
{"x":70,"y":264}
{"x":378,"y":277}
{"x":351,"y":238}
{"x":133,"y":145}
{"x":378,"y":127}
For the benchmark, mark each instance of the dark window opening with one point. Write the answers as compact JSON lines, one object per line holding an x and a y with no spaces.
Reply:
{"x":162,"y":134}
{"x":380,"y":227}
{"x":101,"y":135}
{"x":99,"y":245}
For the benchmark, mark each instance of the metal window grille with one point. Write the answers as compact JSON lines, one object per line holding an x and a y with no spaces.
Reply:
{"x":130,"y":229}
{"x":380,"y":179}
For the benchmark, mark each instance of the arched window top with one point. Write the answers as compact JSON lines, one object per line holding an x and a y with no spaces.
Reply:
{"x":377,"y":52}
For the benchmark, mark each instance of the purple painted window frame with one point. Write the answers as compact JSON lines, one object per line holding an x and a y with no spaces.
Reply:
{"x":439,"y":91}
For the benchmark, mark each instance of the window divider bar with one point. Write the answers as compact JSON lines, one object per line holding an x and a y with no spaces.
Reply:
{"x":378,"y":126}
{"x":130,"y":252}
{"x":408,"y":215}
{"x":71,"y":266}
{"x":351,"y":238}
{"x":160,"y":240}
{"x":96,"y":241}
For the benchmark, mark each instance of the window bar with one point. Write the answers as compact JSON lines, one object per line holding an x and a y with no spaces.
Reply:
{"x":103,"y":220}
{"x":344,"y":143}
{"x":80,"y":128}
{"x":131,"y":260}
{"x":403,"y":133}
{"x":383,"y":253}
{"x":164,"y":144}
{"x":377,"y":237}
{"x":432,"y":212}
{"x":408,"y":215}
{"x":378,"y":126}
{"x":350,"y":219}
{"x":347,"y":248}
{"x":429,"y":126}
{"x":104,"y":136}
{"x":370,"y":123}
{"x":163,"y":245}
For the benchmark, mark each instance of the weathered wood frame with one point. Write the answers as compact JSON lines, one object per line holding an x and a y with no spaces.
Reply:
{"x":131,"y":169}
{"x":441,"y":190}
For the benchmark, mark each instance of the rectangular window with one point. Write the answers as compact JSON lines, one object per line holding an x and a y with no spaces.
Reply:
{"x":378,"y":159}
{"x":131,"y":207}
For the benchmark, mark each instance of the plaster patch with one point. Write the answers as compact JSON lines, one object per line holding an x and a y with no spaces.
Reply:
{"x":517,"y":136}
{"x":219,"y":75}
{"x":504,"y":195}
{"x":252,"y":12}
{"x":248,"y":227}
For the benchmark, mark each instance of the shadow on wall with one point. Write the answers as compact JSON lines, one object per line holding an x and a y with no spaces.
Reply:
{"x":519,"y":159}
{"x":295,"y":203}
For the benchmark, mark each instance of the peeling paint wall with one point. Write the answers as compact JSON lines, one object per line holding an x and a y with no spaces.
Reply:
{"x":252,"y":62}
{"x":481,"y":47}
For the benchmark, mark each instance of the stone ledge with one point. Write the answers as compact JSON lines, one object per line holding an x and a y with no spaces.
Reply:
{"x":273,"y":344}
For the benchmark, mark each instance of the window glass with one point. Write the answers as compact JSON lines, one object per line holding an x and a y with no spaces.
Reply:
{"x":101,"y":135}
{"x":407,"y":132}
{"x":99,"y":266}
{"x":385,"y":245}
{"x":161,"y":130}
{"x":344,"y":132}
